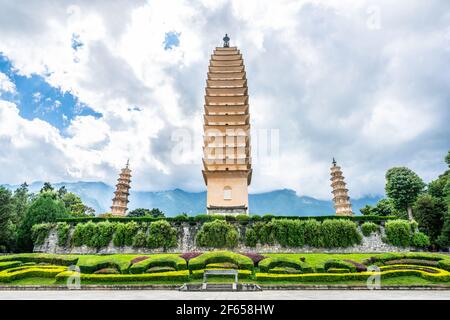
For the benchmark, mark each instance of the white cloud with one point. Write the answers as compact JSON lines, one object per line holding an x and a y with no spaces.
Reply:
{"x":6,"y":85}
{"x":318,"y":72}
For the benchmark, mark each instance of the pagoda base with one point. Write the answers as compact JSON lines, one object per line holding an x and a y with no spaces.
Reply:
{"x":228,"y":211}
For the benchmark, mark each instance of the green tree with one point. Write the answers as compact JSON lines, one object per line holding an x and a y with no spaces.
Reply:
{"x":21,"y":201}
{"x":44,"y":208}
{"x":47,"y":187}
{"x":139,"y":212}
{"x":403,"y":186}
{"x":384,"y":207}
{"x":6,"y":218}
{"x":74,"y":205}
{"x":429,"y":212}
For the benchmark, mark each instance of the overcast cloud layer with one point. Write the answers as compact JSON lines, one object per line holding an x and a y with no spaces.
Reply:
{"x":364,"y":81}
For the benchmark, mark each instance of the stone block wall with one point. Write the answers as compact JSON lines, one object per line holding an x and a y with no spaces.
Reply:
{"x":186,"y":243}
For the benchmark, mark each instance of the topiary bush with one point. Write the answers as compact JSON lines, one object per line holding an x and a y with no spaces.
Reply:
{"x":140,"y":239}
{"x":251,"y":239}
{"x":420,"y":240}
{"x":203,"y":260}
{"x":125,"y":233}
{"x":339,"y":264}
{"x":217,"y":234}
{"x":284,"y":262}
{"x":340,"y":233}
{"x":367,"y":228}
{"x":171,"y":261}
{"x":161,"y":235}
{"x":39,"y":232}
{"x":62,"y":229}
{"x":398,"y":233}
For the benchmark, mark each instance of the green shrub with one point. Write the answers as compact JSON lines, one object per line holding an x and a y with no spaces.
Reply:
{"x":382,"y":258}
{"x":284,"y":262}
{"x":285,"y":270}
{"x":398,"y":232}
{"x":159,"y":269}
{"x":200,"y":262}
{"x":39,"y":232}
{"x":172,"y":261}
{"x":62,"y":228}
{"x":107,"y":271}
{"x":444,"y":264}
{"x":266,"y":232}
{"x":140,"y":239}
{"x":29,"y":272}
{"x":223,"y":265}
{"x":102,"y":235}
{"x":9,"y":264}
{"x":340,"y":233}
{"x":171,"y":276}
{"x":339,"y":264}
{"x":242,"y":274}
{"x":313,"y":233}
{"x":55,"y":259}
{"x":251,"y":239}
{"x":125,"y":233}
{"x":162,"y":235}
{"x":337,"y":270}
{"x":217,"y":234}
{"x":420,"y":240}
{"x":416,"y":262}
{"x":368,"y":228}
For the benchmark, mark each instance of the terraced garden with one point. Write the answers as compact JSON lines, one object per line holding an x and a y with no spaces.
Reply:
{"x":410,"y":269}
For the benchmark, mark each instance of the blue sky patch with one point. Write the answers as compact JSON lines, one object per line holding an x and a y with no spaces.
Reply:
{"x":171,"y":39}
{"x":35,"y":98}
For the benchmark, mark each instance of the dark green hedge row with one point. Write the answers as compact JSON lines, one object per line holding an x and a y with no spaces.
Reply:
{"x":284,"y":262}
{"x":200,"y":262}
{"x":55,"y":259}
{"x":329,"y":233}
{"x":240,"y":218}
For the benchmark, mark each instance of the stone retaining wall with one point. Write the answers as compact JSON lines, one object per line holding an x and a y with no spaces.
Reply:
{"x":186,"y":243}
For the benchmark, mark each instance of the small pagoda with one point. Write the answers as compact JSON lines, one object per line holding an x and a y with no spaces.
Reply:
{"x":341,"y":199}
{"x":120,"y":200}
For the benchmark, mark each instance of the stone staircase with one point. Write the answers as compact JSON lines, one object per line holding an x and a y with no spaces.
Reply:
{"x":219,"y":287}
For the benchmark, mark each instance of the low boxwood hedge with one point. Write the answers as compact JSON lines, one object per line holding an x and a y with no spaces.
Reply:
{"x":172,"y":261}
{"x":9,"y":264}
{"x":172,"y":276}
{"x":339,"y":264}
{"x":55,"y":259}
{"x":200,"y":262}
{"x":90,"y":263}
{"x":337,"y":270}
{"x":286,"y":262}
{"x":442,"y":276}
{"x":381,"y":258}
{"x":30,"y":271}
{"x":242,"y":274}
{"x":444,"y":264}
{"x":159,"y":269}
{"x":285,"y":270}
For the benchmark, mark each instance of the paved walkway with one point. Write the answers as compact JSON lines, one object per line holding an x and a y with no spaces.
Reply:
{"x":262,"y":295}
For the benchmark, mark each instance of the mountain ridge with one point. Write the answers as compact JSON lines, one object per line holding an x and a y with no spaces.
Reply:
{"x":286,"y":202}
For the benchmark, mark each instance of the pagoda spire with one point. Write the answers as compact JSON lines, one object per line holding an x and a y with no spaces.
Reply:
{"x":120,"y":200}
{"x":341,"y":199}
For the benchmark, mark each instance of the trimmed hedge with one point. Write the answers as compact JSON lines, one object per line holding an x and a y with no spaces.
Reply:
{"x":286,"y":262}
{"x":162,"y":235}
{"x":398,"y":233}
{"x":39,"y":232}
{"x":9,"y":264}
{"x":204,"y":259}
{"x":367,"y":228}
{"x":171,"y":276}
{"x":55,"y":259}
{"x":339,"y":264}
{"x":125,"y":233}
{"x":217,"y":234}
{"x":382,"y":258}
{"x":442,"y":276}
{"x":30,"y":271}
{"x":171,"y":261}
{"x":204,"y":217}
{"x":444,"y":264}
{"x":62,"y":229}
{"x":242,"y":274}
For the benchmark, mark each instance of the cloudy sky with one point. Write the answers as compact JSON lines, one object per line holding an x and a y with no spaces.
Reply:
{"x":84,"y":85}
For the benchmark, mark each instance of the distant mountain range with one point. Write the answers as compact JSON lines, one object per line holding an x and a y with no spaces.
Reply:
{"x":284,"y":202}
